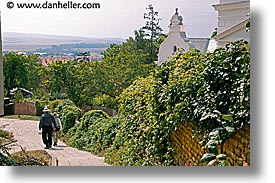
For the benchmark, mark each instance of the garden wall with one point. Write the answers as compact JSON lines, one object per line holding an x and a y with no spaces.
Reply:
{"x":188,"y":151}
{"x":25,"y":108}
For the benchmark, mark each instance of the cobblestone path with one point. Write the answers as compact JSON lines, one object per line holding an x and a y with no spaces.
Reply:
{"x":27,"y":135}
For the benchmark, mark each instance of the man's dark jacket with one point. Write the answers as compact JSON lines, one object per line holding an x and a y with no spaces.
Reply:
{"x":47,"y":119}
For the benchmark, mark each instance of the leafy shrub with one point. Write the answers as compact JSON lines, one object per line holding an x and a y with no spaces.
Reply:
{"x":5,"y":141}
{"x":105,"y":101}
{"x":32,"y":158}
{"x":40,"y":104}
{"x":102,"y":135}
{"x":80,"y":139}
{"x":95,"y":133}
{"x":53,"y":104}
{"x":61,"y":105}
{"x":140,"y":140}
{"x":226,"y":86}
{"x":70,"y":114}
{"x":90,"y":118}
{"x":189,"y":87}
{"x":224,"y":97}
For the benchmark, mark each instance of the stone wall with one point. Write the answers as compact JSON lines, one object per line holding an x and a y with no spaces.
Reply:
{"x":25,"y":108}
{"x":188,"y":151}
{"x":237,"y":148}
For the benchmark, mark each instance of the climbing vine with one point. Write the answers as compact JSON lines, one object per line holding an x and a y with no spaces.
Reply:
{"x":208,"y":89}
{"x":69,"y":114}
{"x":95,"y":133}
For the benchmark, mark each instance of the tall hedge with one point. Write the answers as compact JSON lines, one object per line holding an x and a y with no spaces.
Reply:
{"x":194,"y":87}
{"x":69,"y":114}
{"x":95,"y":133}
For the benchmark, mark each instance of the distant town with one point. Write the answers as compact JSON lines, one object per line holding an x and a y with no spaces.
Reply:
{"x":47,"y":59}
{"x":51,"y":48}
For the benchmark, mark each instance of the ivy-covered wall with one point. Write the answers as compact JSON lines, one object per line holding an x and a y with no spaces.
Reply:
{"x":187,"y":151}
{"x":237,"y":148}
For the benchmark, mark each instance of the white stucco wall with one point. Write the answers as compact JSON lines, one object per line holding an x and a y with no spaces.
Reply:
{"x":232,"y":17}
{"x":167,"y":46}
{"x":175,"y":39}
{"x":231,"y":13}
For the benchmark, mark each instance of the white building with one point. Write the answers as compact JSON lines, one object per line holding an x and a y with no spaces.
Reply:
{"x":177,"y":39}
{"x":232,"y":19}
{"x":231,"y":26}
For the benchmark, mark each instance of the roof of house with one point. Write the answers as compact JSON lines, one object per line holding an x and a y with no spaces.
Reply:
{"x":25,"y":92}
{"x":200,"y":43}
{"x":231,"y":30}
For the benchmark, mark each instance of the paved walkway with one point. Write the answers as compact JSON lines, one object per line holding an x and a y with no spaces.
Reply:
{"x":27,"y":135}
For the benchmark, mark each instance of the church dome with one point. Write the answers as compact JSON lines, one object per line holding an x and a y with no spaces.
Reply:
{"x":175,"y":20}
{"x":176,"y":39}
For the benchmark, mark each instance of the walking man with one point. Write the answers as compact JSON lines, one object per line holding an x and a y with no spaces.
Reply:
{"x":58,"y":128}
{"x":47,"y":124}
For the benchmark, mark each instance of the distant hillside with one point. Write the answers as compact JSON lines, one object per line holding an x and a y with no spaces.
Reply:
{"x":42,"y":42}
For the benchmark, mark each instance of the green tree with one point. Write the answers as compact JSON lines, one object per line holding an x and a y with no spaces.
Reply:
{"x":33,"y":65}
{"x":62,"y":80}
{"x":15,"y":71}
{"x":152,"y":30}
{"x":141,"y":43}
{"x":21,"y":71}
{"x":122,"y":65}
{"x":18,"y":98}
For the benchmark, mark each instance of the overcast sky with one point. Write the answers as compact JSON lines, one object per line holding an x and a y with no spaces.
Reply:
{"x":115,"y":18}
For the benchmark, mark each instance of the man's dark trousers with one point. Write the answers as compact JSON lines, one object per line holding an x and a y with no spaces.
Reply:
{"x":47,"y":132}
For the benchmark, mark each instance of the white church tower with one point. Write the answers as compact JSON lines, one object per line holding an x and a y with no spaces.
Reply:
{"x":176,"y":39}
{"x":1,"y":75}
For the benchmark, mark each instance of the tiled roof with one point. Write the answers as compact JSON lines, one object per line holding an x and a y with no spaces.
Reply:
{"x":200,"y":43}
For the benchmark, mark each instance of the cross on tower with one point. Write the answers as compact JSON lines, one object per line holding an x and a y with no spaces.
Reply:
{"x":177,"y":11}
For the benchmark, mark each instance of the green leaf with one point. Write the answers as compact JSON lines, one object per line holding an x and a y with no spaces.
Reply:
{"x":230,"y":130}
{"x":212,"y":143}
{"x":212,"y":149}
{"x":221,"y":157}
{"x":207,"y":158}
{"x":227,"y":117}
{"x":205,"y":116}
{"x":217,"y":112}
{"x":222,"y":163}
{"x":212,"y":162}
{"x":213,"y":134}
